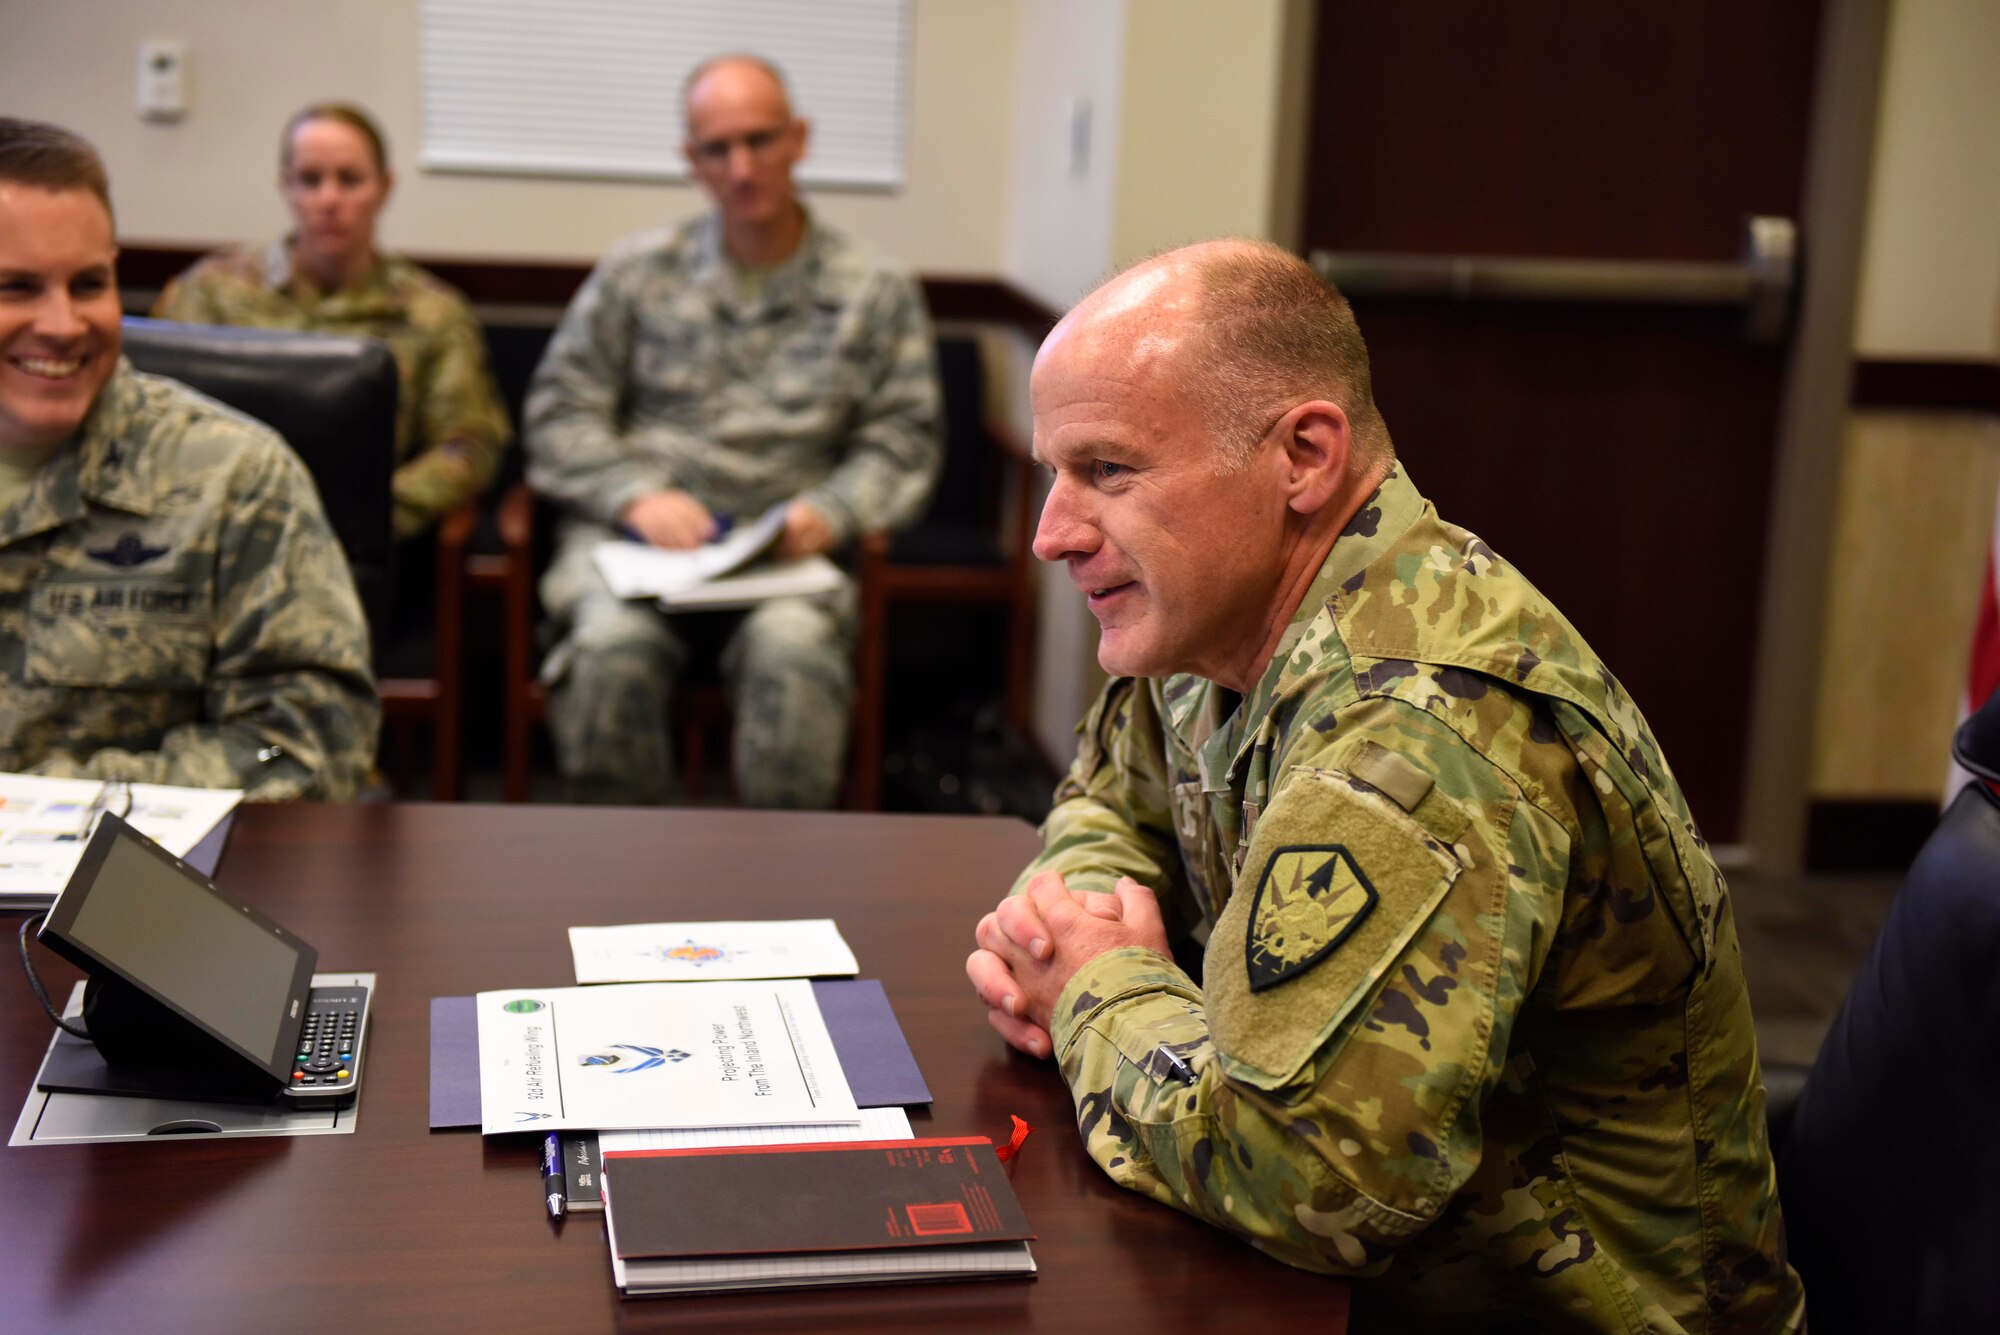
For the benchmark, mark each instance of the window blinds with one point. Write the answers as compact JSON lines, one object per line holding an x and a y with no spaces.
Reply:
{"x":592,"y":87}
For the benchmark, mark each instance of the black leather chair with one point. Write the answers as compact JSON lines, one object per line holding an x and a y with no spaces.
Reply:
{"x":334,"y":400}
{"x":958,"y":552}
{"x":1889,"y":1175}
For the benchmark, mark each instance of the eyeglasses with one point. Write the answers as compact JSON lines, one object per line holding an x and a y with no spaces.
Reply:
{"x":715,"y":152}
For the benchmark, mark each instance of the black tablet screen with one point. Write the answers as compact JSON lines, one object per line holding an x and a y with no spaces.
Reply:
{"x":169,"y":932}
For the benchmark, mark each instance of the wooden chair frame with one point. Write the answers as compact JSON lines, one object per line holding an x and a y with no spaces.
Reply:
{"x":439,"y":699}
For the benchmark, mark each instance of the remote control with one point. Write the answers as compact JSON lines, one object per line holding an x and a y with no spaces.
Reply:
{"x":326,"y":1064}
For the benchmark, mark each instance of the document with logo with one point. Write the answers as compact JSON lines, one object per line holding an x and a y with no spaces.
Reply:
{"x":638,"y":1055}
{"x":44,"y":824}
{"x":673,"y":952}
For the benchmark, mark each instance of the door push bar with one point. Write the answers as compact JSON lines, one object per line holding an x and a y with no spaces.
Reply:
{"x":1762,"y":283}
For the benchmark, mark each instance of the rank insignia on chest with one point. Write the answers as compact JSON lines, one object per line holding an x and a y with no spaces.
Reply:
{"x":1309,"y":900}
{"x":130,"y":550}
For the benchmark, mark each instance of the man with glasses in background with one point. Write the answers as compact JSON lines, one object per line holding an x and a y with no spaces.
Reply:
{"x":749,"y":357}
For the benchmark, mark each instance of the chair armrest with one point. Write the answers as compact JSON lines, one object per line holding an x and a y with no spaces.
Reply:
{"x":514,"y":517}
{"x":871,"y":553}
{"x":454,"y":535}
{"x":864,"y":781}
{"x":1009,"y":441}
{"x":1018,"y":460}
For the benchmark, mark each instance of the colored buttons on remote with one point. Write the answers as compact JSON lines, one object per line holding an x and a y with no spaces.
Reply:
{"x":325,"y":1052}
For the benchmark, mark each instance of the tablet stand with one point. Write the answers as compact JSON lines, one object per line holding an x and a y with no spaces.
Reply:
{"x":141,"y":1049}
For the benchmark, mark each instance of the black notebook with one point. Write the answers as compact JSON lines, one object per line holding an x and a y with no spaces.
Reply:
{"x":582,"y":1187}
{"x":783,"y":1216}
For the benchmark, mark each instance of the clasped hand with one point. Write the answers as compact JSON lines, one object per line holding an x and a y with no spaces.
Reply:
{"x":1033,"y":944}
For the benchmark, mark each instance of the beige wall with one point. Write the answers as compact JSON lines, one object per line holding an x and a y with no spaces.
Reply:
{"x":1917,"y":489}
{"x":1069,"y":64}
{"x":1910,"y":544}
{"x":1202,"y":111}
{"x":251,"y":62}
{"x":1930,"y":278}
{"x":1196,"y":116}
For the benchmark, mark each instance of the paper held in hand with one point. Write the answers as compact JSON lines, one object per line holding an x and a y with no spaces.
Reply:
{"x":640,"y":570}
{"x":729,"y":572}
{"x":657,"y":1055}
{"x":799,"y":578}
{"x":670,"y":952}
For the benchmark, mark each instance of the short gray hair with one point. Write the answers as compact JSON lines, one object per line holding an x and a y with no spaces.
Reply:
{"x":1273,"y":334}
{"x":700,"y":71}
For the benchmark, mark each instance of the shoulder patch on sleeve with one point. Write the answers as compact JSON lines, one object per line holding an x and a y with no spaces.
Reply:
{"x":1346,"y":878}
{"x":1310,"y":898}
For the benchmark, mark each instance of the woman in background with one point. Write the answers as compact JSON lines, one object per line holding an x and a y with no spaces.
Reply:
{"x":328,"y":277}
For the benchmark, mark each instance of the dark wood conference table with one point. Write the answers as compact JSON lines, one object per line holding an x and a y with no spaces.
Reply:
{"x":398,"y":1228}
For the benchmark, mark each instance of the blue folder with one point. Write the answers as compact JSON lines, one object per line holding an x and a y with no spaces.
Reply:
{"x":874,"y":1055}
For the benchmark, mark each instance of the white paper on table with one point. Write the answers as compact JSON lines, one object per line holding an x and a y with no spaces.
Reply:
{"x":44,"y":824}
{"x":639,"y":570}
{"x":657,"y":1055}
{"x":875,"y":1124}
{"x":674,"y":952}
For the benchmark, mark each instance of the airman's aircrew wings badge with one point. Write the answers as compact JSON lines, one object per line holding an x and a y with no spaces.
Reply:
{"x":1309,"y":900}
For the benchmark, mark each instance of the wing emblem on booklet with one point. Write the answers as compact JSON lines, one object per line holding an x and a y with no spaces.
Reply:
{"x":627,"y":1058}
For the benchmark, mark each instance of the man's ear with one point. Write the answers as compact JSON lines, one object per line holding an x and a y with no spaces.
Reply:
{"x":1318,"y":442}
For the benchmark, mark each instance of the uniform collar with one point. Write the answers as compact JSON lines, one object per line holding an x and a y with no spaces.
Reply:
{"x":1194,"y":712}
{"x":280,"y":275}
{"x":789,"y":285}
{"x":103,"y":465}
{"x":278,"y":264}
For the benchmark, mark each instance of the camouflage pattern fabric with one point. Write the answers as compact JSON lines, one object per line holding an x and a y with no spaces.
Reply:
{"x":1472,"y":1019}
{"x":450,"y":428}
{"x":175,"y":609}
{"x":817,"y":383}
{"x":787,"y":665}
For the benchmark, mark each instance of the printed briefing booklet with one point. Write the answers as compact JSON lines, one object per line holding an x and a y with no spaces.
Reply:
{"x":640,"y":1055}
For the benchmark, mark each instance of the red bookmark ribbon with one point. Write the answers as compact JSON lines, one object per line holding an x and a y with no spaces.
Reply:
{"x":1014,"y":1142}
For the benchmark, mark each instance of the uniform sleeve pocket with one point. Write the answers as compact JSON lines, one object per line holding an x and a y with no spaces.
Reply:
{"x":1337,"y":881}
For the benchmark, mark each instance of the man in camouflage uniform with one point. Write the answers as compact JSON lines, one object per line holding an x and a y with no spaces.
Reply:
{"x":173,"y":606}
{"x":747,"y":358}
{"x":1472,"y":1023}
{"x":450,"y":428}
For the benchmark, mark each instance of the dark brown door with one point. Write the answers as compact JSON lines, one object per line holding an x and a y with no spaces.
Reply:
{"x":1621,"y":455}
